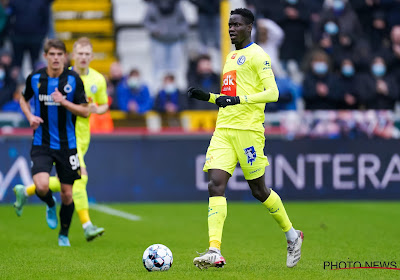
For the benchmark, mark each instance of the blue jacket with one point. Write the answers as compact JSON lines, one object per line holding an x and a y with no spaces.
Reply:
{"x":140,"y":95}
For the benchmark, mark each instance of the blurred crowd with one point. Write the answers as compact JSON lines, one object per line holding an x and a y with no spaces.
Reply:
{"x":326,"y":54}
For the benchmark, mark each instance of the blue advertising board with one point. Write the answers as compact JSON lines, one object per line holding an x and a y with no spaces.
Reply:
{"x":156,"y":168}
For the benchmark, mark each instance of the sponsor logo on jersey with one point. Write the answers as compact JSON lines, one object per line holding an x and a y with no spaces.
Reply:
{"x":67,"y":88}
{"x":93,"y":88}
{"x":233,"y":56}
{"x":229,"y":83}
{"x":241,"y":60}
{"x":267,"y":65}
{"x":250,"y":152}
{"x":48,"y":100}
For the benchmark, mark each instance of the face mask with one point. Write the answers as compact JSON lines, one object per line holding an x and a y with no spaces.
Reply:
{"x":320,"y":68}
{"x":331,"y":28}
{"x":133,"y":82}
{"x":292,"y":2}
{"x":347,"y":70}
{"x":379,"y":69}
{"x":2,"y":74}
{"x":170,"y":88}
{"x":338,"y":5}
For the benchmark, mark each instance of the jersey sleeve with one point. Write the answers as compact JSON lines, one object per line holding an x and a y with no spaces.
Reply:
{"x":262,"y":65}
{"x":101,"y":97}
{"x":80,"y":96}
{"x":28,"y":92}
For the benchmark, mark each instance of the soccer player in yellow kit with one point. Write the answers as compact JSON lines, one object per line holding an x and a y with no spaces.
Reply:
{"x":248,"y":84}
{"x":96,"y":92}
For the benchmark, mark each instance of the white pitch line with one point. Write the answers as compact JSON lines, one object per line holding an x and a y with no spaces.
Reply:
{"x":114,"y":212}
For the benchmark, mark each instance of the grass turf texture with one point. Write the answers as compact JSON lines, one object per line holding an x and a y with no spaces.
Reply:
{"x":253,"y":244}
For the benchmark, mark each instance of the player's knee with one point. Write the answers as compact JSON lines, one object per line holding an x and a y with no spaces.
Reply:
{"x":216,"y":188}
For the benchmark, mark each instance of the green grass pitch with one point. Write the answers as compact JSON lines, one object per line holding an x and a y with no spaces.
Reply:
{"x":253,"y":245}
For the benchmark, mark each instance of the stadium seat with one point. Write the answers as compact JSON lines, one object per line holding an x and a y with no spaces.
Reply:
{"x":199,"y":120}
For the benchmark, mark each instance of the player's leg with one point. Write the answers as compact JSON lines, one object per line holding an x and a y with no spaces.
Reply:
{"x":217,"y":211}
{"x":253,"y":162}
{"x":80,"y":197}
{"x":67,"y":166}
{"x":42,"y":163}
{"x":66,"y":211}
{"x":220,"y":163}
{"x":22,"y":193}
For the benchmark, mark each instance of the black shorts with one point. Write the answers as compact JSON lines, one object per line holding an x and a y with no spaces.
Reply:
{"x":66,"y":162}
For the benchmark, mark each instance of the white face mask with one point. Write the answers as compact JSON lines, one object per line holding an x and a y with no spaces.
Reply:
{"x":170,"y":88}
{"x":133,"y":82}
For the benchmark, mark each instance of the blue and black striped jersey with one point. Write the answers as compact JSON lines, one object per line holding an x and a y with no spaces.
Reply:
{"x":58,"y":128}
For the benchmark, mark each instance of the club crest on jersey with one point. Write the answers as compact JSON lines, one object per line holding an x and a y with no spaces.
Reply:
{"x":233,"y":56}
{"x":241,"y":60}
{"x":67,"y":88}
{"x":93,"y":89}
{"x":250,"y":152}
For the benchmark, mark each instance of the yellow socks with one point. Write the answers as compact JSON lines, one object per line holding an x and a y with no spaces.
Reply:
{"x":217,"y":211}
{"x":54,"y":185}
{"x":79,"y":195}
{"x":277,"y":210}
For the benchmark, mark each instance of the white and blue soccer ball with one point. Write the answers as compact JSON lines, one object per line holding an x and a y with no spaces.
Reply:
{"x":157,"y":257}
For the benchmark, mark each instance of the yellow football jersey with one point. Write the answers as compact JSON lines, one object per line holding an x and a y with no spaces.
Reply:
{"x":96,"y":91}
{"x":243,"y":74}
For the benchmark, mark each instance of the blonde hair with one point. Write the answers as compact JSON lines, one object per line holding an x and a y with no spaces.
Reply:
{"x":83,"y":41}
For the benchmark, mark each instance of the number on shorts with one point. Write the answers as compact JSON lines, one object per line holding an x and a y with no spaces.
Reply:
{"x":74,"y":161}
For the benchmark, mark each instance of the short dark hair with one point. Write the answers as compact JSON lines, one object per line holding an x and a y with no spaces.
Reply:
{"x":54,"y":43}
{"x":246,"y":13}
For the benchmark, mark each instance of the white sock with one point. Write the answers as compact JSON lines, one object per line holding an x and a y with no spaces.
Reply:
{"x":85,"y":225}
{"x":291,"y":235}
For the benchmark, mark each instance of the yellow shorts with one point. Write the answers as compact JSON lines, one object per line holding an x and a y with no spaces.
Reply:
{"x":228,"y":146}
{"x":82,"y":147}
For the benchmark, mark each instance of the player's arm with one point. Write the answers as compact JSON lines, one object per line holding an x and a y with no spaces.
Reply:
{"x":80,"y":109}
{"x":100,"y":104}
{"x":34,"y":121}
{"x":271,"y":94}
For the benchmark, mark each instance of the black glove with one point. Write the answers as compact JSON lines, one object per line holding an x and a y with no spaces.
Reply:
{"x":198,"y":94}
{"x":224,"y":101}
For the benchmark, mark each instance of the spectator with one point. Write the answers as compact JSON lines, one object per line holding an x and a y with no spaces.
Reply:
{"x":168,"y":98}
{"x":7,"y":86}
{"x":320,"y":84}
{"x":270,"y":37}
{"x":28,"y":29}
{"x":379,"y":89}
{"x":114,"y":77}
{"x":206,"y":79}
{"x":13,"y":104}
{"x":208,"y":23}
{"x":347,"y":85}
{"x":295,"y":20}
{"x":167,"y":26}
{"x":133,"y":96}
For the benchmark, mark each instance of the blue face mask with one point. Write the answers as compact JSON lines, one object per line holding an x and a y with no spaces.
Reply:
{"x":2,"y":74}
{"x":347,"y":70}
{"x":331,"y":28}
{"x":170,"y":88}
{"x":338,"y":5}
{"x":133,"y":82}
{"x":320,"y":68}
{"x":378,"y":69}
{"x":292,"y":2}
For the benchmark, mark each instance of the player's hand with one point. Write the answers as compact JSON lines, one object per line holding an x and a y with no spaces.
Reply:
{"x":93,"y":108}
{"x":224,"y":101}
{"x":57,"y":96}
{"x":198,"y":94}
{"x":35,"y":121}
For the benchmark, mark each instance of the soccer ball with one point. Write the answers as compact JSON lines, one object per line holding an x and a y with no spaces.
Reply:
{"x":157,"y":257}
